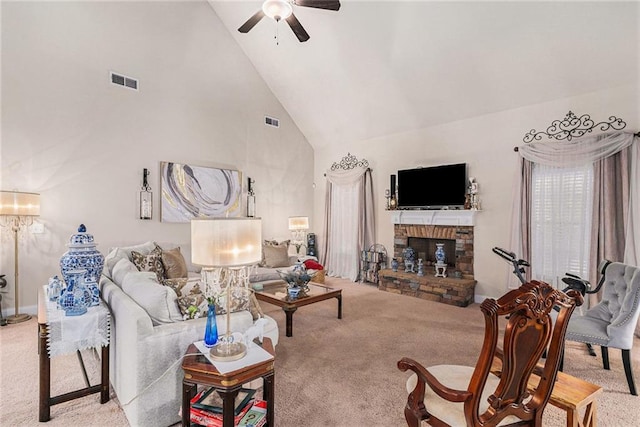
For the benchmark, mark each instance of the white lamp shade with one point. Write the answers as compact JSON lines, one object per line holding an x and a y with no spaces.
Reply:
{"x":226,"y":242}
{"x":19,"y":204}
{"x":298,"y":223}
{"x":277,"y":9}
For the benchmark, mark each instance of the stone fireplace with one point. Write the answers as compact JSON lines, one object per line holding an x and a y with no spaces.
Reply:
{"x":421,"y":230}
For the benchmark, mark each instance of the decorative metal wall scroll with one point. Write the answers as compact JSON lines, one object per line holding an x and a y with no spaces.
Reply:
{"x":349,"y":162}
{"x":573,"y":126}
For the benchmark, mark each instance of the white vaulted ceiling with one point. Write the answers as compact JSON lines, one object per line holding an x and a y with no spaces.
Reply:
{"x":378,"y":68}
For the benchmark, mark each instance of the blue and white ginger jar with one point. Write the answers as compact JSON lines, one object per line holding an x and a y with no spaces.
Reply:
{"x":75,"y":298}
{"x":83,"y":255}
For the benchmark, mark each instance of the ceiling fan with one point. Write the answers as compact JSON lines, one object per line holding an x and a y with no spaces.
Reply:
{"x":283,"y":9}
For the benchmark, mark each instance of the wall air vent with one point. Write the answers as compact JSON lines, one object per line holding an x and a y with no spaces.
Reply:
{"x":271,"y":121}
{"x":120,"y":80}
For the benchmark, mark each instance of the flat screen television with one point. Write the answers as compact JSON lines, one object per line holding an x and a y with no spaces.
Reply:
{"x":435,"y":187}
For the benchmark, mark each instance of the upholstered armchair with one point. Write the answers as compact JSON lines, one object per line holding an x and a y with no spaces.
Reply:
{"x":612,"y":322}
{"x":474,"y":396}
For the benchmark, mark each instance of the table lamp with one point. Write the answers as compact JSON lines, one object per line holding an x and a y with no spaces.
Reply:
{"x":226,"y":248}
{"x":298,"y":225}
{"x":17,"y":211}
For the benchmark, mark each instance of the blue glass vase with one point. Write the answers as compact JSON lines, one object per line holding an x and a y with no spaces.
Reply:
{"x":211,"y":329}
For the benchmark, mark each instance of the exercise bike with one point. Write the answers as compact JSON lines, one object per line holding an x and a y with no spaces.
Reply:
{"x":518,"y":264}
{"x":571,"y":280}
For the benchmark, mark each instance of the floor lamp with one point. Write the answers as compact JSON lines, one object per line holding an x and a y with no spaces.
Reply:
{"x":226,"y":248}
{"x":17,"y":211}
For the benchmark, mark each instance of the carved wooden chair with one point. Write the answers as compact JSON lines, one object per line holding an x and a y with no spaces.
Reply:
{"x":468,"y":396}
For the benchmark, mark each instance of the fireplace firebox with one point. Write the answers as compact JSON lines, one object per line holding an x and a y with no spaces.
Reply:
{"x":426,"y":249}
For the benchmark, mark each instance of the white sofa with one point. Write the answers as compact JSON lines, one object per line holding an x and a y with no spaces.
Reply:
{"x":147,"y":345}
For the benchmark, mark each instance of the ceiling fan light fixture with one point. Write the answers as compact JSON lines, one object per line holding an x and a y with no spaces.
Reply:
{"x":277,"y":9}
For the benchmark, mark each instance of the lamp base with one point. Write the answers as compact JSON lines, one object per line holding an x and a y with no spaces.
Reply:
{"x":227,"y":352}
{"x":18,"y":318}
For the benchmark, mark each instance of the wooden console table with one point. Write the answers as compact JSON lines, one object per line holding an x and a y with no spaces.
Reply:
{"x":46,"y":401}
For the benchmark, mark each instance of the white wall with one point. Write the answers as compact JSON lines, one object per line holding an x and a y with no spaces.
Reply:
{"x":82,"y":143}
{"x":486,"y":144}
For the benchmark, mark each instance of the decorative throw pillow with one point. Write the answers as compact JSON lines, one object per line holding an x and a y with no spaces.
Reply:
{"x":193,"y":306}
{"x":240,"y":301}
{"x":151,"y":262}
{"x":275,"y":244}
{"x":176,"y":284}
{"x":174,"y":264}
{"x":254,"y":307}
{"x":191,"y":301}
{"x":275,"y":256}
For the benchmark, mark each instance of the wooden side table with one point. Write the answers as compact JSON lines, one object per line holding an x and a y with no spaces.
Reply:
{"x":571,"y":394}
{"x":199,"y":371}
{"x":46,"y":401}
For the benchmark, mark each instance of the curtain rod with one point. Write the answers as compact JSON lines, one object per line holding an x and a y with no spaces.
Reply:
{"x":369,"y":169}
{"x":637,"y":134}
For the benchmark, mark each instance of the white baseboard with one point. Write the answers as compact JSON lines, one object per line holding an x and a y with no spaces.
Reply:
{"x":10,"y":311}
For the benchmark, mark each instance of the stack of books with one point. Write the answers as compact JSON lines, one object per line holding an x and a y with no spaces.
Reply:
{"x":206,"y":409}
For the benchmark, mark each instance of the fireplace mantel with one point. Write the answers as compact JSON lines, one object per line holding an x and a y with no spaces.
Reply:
{"x":434,"y":217}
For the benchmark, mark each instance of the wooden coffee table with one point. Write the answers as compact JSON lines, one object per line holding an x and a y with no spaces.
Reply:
{"x":276,"y":293}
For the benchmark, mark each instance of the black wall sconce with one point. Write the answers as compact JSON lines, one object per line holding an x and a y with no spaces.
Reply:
{"x":251,"y":198}
{"x":146,"y":197}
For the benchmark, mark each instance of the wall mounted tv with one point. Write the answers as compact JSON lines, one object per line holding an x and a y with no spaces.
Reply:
{"x":436,"y":187}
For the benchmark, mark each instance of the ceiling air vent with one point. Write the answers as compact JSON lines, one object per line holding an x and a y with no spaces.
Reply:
{"x":271,"y":121}
{"x":120,"y":80}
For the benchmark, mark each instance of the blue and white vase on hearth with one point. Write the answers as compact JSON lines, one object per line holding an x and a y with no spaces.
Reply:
{"x":440,"y":255}
{"x":82,"y":255}
{"x":409,"y":255}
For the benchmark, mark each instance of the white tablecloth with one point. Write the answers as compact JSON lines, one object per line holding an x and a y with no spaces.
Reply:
{"x":255,"y":354}
{"x":66,"y":334}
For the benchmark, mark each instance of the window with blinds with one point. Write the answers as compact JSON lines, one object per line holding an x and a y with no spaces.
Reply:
{"x":562,"y":199}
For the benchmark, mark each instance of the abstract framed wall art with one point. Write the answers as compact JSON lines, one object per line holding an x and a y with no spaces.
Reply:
{"x":198,"y":192}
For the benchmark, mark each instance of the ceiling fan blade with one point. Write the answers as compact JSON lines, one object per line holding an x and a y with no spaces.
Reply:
{"x":297,"y":28}
{"x":319,"y":4}
{"x":251,"y":22}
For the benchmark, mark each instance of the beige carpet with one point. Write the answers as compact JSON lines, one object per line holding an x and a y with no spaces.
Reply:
{"x":330,"y":373}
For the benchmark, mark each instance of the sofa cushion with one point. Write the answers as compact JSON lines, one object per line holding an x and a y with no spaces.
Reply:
{"x":160,"y":302}
{"x":121,"y":269}
{"x":263,"y":274}
{"x":174,"y":264}
{"x":143,"y":248}
{"x":150,"y":262}
{"x":111,"y":260}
